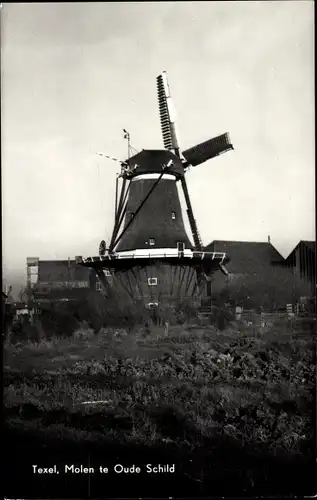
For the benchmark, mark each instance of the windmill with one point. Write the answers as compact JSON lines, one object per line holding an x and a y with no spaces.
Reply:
{"x":150,"y":255}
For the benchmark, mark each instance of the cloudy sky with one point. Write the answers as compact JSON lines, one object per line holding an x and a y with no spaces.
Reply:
{"x":74,"y":74}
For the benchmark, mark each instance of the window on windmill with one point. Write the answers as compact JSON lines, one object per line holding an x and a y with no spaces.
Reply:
{"x":152,"y":305}
{"x":174,"y":215}
{"x":107,"y":272}
{"x":151,"y":241}
{"x":152,"y":281}
{"x":98,"y":285}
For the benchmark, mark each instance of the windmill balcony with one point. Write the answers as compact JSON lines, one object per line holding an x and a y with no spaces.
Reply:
{"x":158,"y":253}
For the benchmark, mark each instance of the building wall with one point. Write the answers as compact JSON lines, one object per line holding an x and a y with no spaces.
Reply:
{"x":21,"y":312}
{"x":58,"y":279}
{"x":304,"y":264}
{"x":62,"y":271}
{"x":95,"y":283}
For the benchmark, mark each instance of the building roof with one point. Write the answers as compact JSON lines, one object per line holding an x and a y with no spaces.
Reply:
{"x":61,"y":270}
{"x":247,"y":256}
{"x":311,"y":245}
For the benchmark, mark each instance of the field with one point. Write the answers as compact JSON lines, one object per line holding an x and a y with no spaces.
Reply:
{"x":233,"y":409}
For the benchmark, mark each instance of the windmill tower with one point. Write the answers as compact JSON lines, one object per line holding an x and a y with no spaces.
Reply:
{"x":150,"y":254}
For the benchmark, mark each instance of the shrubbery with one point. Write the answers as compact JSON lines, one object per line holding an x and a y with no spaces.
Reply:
{"x":271,"y":290}
{"x":189,"y":387}
{"x":104,"y":375}
{"x":64,"y":318}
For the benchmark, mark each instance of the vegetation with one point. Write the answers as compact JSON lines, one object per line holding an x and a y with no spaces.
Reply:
{"x":179,"y":385}
{"x":270,"y":290}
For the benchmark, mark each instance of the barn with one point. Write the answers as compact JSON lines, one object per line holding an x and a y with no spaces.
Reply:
{"x":259,"y":277}
{"x":302,"y":262}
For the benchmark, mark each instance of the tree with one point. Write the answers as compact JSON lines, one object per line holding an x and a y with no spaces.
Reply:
{"x":272,"y":289}
{"x":23,"y":294}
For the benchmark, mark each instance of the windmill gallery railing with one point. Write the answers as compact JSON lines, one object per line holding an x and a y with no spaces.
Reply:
{"x":141,"y":254}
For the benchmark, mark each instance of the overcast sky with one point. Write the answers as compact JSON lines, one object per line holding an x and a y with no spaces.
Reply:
{"x":74,"y":74}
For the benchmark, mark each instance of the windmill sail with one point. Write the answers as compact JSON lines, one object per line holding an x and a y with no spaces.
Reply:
{"x":167,"y":113}
{"x":207,"y":150}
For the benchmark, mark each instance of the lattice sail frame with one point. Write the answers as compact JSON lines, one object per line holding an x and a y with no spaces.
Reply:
{"x":167,"y":114}
{"x":197,"y":154}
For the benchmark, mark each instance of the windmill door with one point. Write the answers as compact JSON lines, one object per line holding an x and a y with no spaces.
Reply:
{"x":180,"y":248}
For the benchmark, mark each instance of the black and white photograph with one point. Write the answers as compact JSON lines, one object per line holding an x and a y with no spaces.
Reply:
{"x":158,"y":249}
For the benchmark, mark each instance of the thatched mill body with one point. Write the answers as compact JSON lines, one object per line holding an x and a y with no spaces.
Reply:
{"x":150,"y":256}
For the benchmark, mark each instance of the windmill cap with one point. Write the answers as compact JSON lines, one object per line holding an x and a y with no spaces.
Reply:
{"x":151,"y":161}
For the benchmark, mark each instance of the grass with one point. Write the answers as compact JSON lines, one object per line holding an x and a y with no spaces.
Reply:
{"x":194,"y":389}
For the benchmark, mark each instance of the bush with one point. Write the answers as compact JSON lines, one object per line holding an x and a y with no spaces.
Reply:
{"x":185,"y":311}
{"x":60,"y":323}
{"x":271,"y":290}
